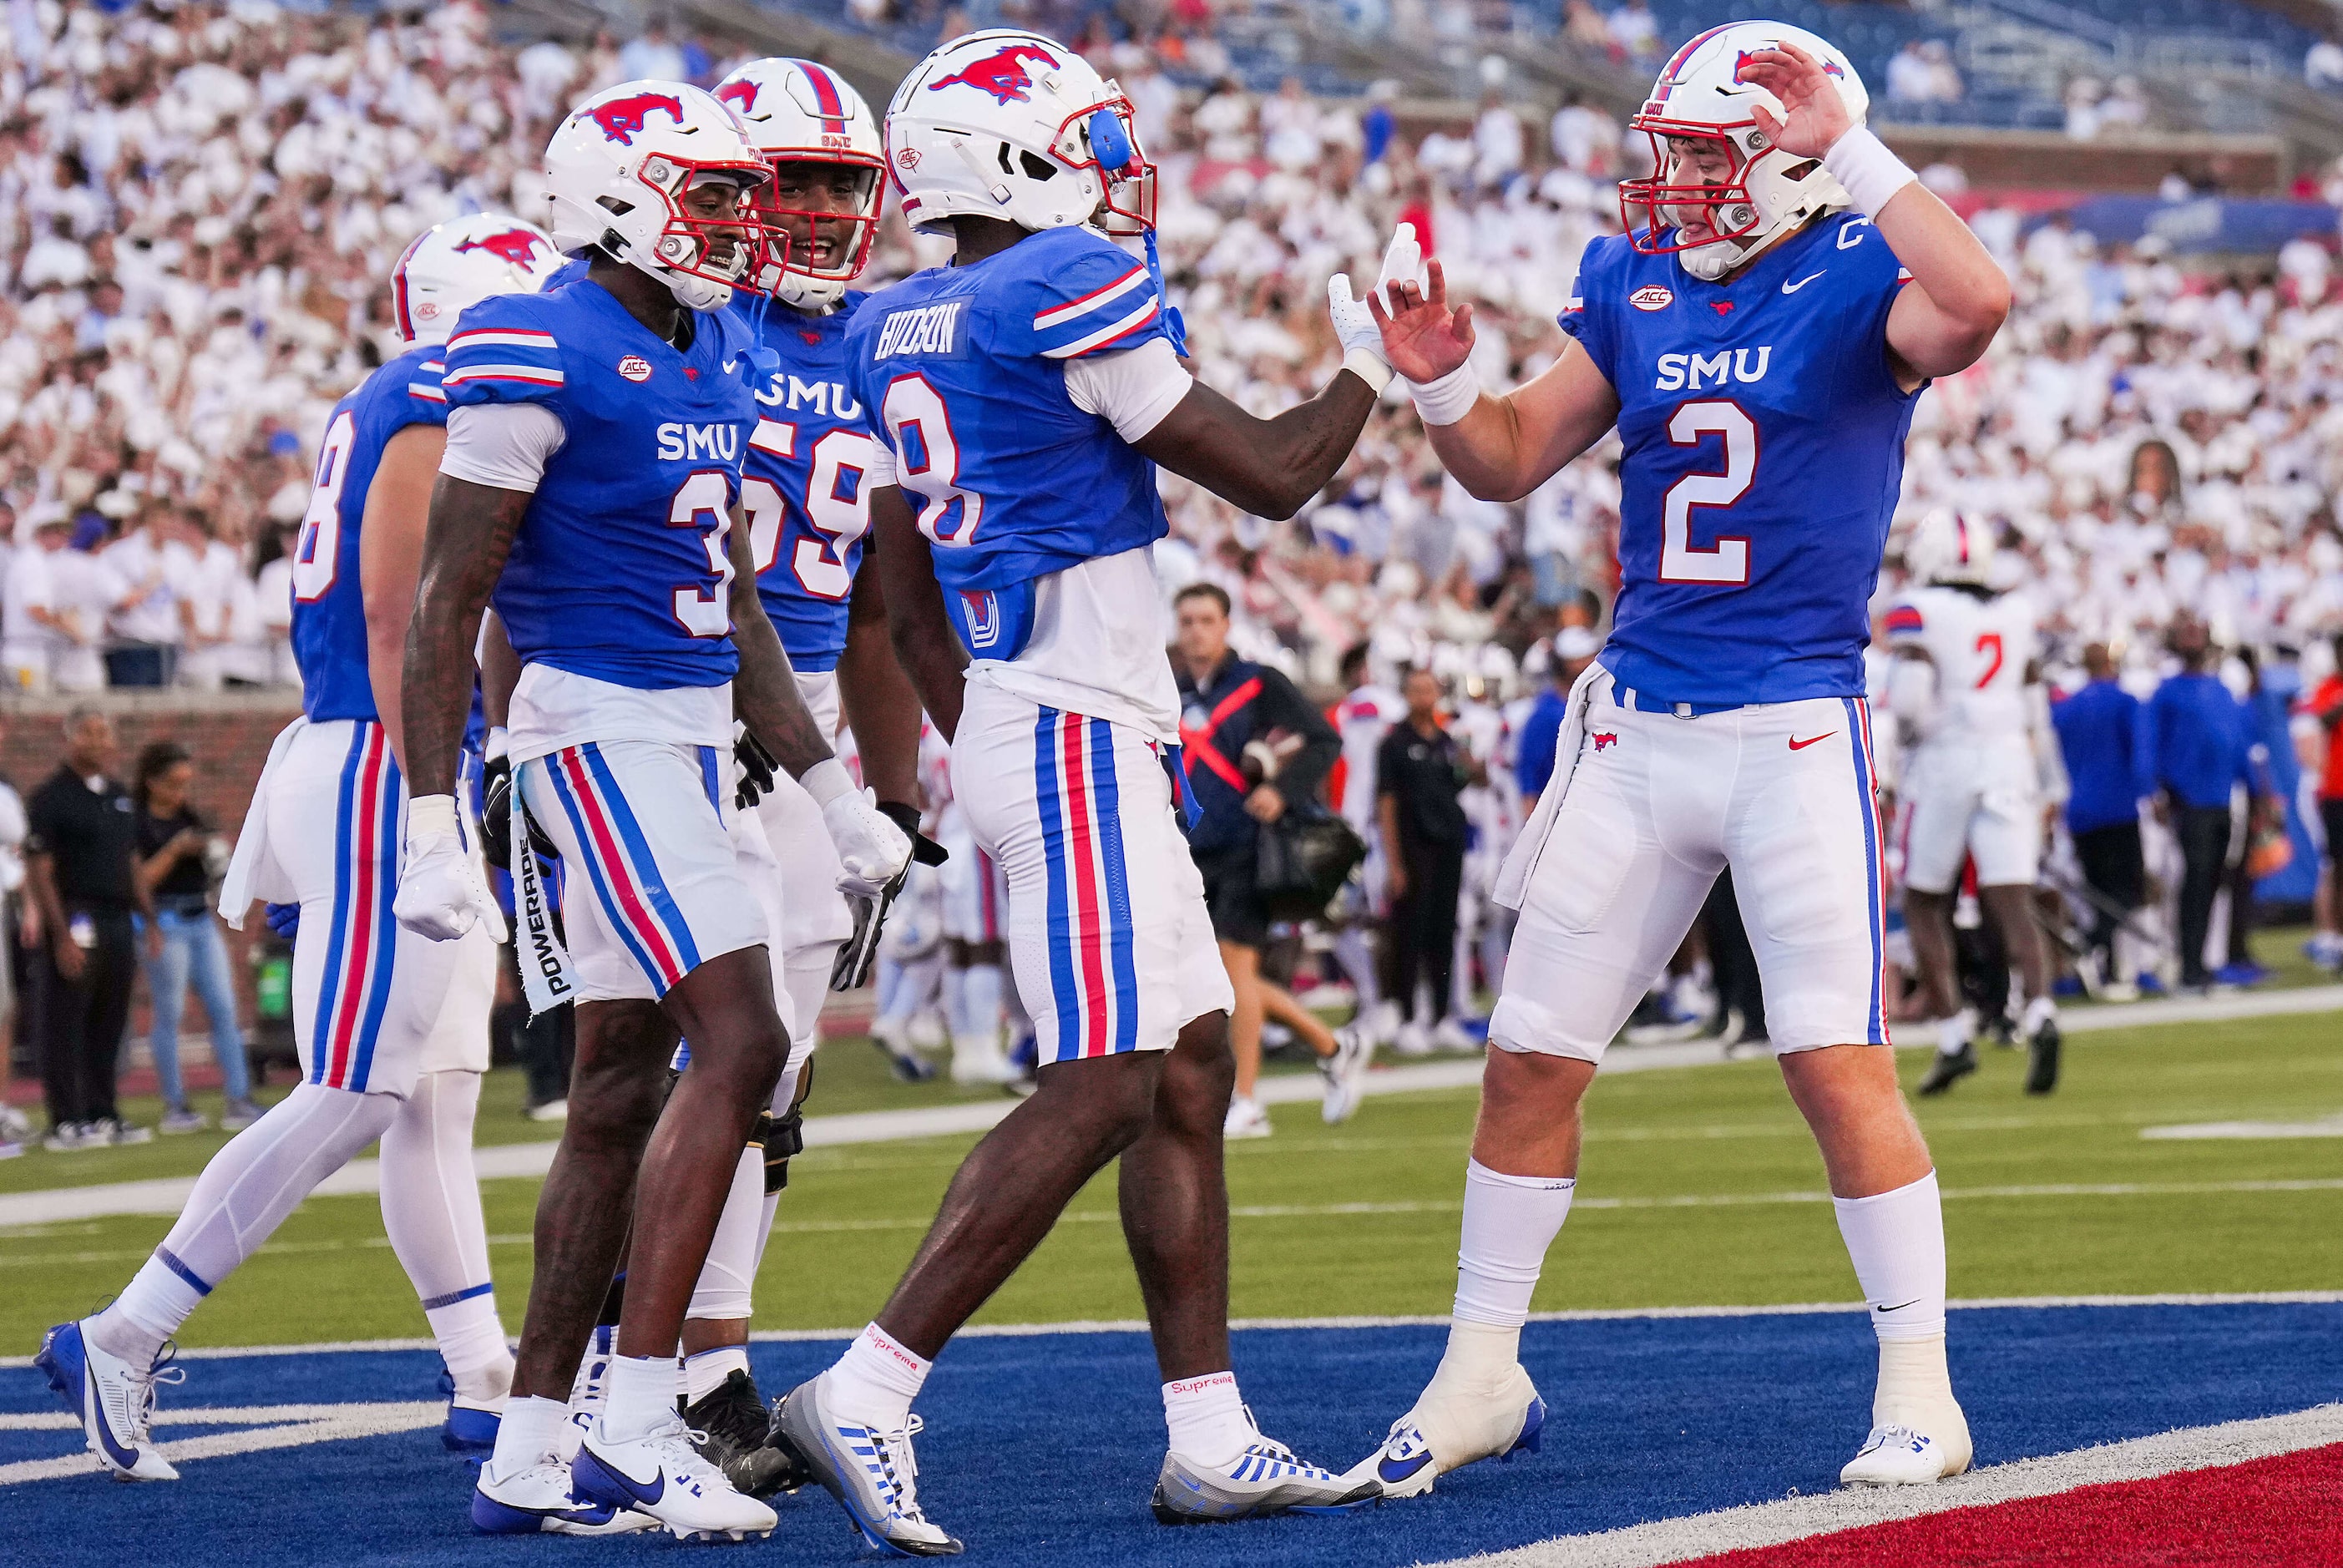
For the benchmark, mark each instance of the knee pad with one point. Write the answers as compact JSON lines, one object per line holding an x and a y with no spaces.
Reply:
{"x":779,"y":1137}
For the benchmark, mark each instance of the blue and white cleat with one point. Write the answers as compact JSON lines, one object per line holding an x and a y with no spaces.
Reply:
{"x":873,"y":1474}
{"x":1928,"y":1443}
{"x":1449,"y":1428}
{"x":1267,"y":1478}
{"x":544,"y":1500}
{"x":114,"y":1399}
{"x":470,"y":1430}
{"x":588,"y":1391}
{"x":662,"y":1474}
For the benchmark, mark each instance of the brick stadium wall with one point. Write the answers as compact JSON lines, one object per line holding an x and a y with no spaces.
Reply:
{"x":229,"y":734}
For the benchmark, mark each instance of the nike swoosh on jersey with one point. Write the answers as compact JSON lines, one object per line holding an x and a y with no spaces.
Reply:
{"x":1793,"y":287}
{"x":1798,"y":745}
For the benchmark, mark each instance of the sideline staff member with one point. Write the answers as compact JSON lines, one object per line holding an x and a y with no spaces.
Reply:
{"x":1419,"y":773}
{"x":80,"y":864}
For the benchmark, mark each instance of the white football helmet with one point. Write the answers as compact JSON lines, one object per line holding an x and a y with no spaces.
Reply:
{"x":453,"y":266}
{"x":616,"y":171}
{"x":1948,"y":547}
{"x":1014,"y":126}
{"x":802,"y":112}
{"x":1700,"y":94}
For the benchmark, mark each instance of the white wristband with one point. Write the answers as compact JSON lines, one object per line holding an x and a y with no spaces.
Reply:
{"x":825,"y":781}
{"x":1368,"y":366}
{"x":1448,"y":399}
{"x":430,"y":816}
{"x":1861,"y":163}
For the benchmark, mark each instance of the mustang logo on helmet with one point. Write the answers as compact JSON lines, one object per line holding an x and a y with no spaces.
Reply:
{"x":1001,"y":73}
{"x":620,"y":118}
{"x":741,"y":96}
{"x":515,"y":246}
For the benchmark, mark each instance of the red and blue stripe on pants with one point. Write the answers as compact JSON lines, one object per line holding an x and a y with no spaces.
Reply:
{"x":618,"y":860}
{"x":355,"y":987}
{"x":1094,"y":977}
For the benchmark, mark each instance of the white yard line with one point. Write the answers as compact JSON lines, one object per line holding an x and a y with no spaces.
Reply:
{"x":167,"y":1195}
{"x":261,"y":1427}
{"x":1799,"y":1518}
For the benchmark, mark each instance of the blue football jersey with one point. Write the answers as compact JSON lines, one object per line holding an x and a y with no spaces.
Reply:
{"x":802,"y":489}
{"x":962,"y":369}
{"x":618,"y":572}
{"x":1764,"y":453}
{"x":329,"y":632}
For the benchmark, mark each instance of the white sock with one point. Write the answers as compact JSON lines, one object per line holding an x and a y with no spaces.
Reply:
{"x":641,"y":1395}
{"x":1509,"y":1223}
{"x":1208,"y":1419}
{"x":2042,"y":1010}
{"x":530,"y":1434}
{"x":1897,"y":1241}
{"x":875,"y":1381}
{"x":258,"y":1178}
{"x":431,"y":1211}
{"x":704,"y":1372}
{"x":978,"y":1021}
{"x":955,"y":996}
{"x":727,"y":1276}
{"x":1953,"y":1033}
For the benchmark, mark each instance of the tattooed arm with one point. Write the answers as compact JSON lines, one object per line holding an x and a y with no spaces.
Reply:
{"x":464,"y":548}
{"x":765,"y":694}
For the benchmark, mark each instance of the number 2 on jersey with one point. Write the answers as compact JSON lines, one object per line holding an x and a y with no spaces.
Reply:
{"x":1727,"y":560}
{"x":1988,"y":642}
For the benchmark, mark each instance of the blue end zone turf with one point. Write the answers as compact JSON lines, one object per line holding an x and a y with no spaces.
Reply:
{"x":1040,"y":1450}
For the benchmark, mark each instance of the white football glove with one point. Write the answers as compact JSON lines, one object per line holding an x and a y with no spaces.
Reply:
{"x":1354,"y":325}
{"x":872,"y":849}
{"x":440,"y":895}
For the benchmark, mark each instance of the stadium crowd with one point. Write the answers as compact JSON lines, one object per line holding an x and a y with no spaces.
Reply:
{"x":199,"y":207}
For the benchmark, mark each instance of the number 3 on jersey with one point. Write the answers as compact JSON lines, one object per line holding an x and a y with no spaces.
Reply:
{"x":836,"y":508}
{"x":1727,"y":562}
{"x":705,"y":503}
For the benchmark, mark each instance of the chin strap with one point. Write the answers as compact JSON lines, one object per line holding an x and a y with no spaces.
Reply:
{"x":1175,"y":327}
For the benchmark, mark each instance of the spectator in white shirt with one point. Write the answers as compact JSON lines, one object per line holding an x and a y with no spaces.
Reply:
{"x":36,"y":628}
{"x":653,"y":57}
{"x":1497,"y":143}
{"x":209,"y":609}
{"x":1635,"y":31}
{"x":147,"y":626}
{"x":272,"y":593}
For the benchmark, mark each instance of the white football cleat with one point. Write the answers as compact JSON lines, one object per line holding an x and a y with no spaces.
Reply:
{"x":544,"y":1499}
{"x":1916,"y":1452}
{"x":1345,"y":1073}
{"x":114,"y":1399}
{"x":662,"y":1474}
{"x":1267,"y":1478}
{"x":1246,"y":1119}
{"x":873,"y":1474}
{"x":1454,"y":1427}
{"x":587,"y":1391}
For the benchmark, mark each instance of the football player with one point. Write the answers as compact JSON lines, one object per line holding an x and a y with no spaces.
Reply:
{"x":392,"y":1030}
{"x":1964,"y":689}
{"x":591,"y":480}
{"x":1758,"y":341}
{"x":1026,"y":393}
{"x":806,"y":502}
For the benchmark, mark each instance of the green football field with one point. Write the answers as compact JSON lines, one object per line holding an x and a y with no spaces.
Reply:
{"x":1699,"y":1187}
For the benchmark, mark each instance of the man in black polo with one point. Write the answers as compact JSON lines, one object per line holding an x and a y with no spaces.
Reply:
{"x":1227,"y":704}
{"x":80,"y":865}
{"x":1420,"y":770}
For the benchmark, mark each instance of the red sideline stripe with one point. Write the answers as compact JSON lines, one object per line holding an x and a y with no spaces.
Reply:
{"x":2285,"y":1512}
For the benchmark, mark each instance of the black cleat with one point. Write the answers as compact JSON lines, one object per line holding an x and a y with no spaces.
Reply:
{"x":737,"y":1428}
{"x":1947,"y":1071}
{"x":2042,"y":1050}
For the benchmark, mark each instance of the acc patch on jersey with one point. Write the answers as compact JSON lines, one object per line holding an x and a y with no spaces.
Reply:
{"x":1652,"y":296}
{"x":635,"y":368}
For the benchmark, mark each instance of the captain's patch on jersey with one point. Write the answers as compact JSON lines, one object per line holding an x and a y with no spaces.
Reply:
{"x":1652,"y":296}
